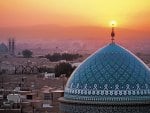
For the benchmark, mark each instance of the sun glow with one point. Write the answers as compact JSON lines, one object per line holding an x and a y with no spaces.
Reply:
{"x":113,"y":23}
{"x":75,"y":13}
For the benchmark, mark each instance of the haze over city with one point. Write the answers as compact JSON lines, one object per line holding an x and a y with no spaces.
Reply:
{"x":49,"y":22}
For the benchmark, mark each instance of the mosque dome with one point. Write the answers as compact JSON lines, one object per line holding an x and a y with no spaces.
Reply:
{"x":3,"y":48}
{"x":112,"y":74}
{"x":112,"y":80}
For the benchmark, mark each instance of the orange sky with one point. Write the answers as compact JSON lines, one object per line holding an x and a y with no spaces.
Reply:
{"x":128,"y":13}
{"x":74,"y":19}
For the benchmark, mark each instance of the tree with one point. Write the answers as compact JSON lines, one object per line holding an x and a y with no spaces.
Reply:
{"x":63,"y":68}
{"x":65,"y":56}
{"x":55,"y":57}
{"x":27,"y":53}
{"x":46,"y":69}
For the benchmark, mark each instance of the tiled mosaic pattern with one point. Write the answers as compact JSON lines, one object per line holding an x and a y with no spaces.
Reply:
{"x":112,"y":73}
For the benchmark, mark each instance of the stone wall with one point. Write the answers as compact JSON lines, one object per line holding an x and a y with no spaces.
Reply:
{"x":91,"y":108}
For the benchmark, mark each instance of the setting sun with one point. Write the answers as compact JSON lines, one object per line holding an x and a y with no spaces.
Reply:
{"x":113,"y":23}
{"x":82,"y":19}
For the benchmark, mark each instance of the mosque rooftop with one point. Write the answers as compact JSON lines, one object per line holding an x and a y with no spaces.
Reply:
{"x":112,"y":74}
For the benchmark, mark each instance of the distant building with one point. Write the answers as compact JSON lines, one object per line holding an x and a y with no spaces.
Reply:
{"x":11,"y":44}
{"x":3,"y":49}
{"x":7,"y":66}
{"x":49,"y":75}
{"x":14,"y":97}
{"x":10,"y":50}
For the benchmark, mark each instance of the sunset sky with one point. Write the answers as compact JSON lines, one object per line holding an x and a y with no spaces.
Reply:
{"x":129,"y":14}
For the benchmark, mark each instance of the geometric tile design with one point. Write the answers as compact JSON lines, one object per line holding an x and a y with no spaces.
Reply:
{"x":112,"y":73}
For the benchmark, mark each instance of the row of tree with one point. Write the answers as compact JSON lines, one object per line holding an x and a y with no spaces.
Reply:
{"x":64,"y":56}
{"x":54,"y":57}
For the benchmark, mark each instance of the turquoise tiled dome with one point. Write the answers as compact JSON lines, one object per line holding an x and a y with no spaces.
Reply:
{"x":111,"y":74}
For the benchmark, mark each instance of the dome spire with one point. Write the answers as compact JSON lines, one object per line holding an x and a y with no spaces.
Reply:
{"x":112,"y":32}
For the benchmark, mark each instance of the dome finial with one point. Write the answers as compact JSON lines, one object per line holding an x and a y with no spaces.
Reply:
{"x":113,"y":32}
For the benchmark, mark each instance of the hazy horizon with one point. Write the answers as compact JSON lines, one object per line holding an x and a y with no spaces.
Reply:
{"x":61,"y":22}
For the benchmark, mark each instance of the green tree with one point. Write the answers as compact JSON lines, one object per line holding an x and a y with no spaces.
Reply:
{"x":63,"y":68}
{"x":27,"y":53}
